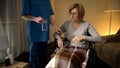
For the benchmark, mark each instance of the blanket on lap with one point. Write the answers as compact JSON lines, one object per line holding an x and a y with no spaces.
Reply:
{"x":67,"y":57}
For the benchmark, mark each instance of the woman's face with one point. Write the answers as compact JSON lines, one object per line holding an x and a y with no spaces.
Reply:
{"x":74,"y":15}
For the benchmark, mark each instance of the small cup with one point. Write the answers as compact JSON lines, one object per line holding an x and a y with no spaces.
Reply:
{"x":44,"y":25}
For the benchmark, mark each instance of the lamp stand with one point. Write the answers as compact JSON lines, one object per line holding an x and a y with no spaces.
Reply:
{"x":110,"y":22}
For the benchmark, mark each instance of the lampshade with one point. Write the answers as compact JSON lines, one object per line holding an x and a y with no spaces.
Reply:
{"x":112,"y":6}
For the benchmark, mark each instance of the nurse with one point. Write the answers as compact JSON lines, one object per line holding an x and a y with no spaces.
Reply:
{"x":36,"y":12}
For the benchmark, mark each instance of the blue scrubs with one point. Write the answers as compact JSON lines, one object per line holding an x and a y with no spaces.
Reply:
{"x":36,"y":37}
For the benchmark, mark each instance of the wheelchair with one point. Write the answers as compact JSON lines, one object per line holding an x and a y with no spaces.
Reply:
{"x":90,"y":55}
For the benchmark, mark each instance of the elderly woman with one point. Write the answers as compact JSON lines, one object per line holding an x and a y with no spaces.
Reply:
{"x":79,"y":34}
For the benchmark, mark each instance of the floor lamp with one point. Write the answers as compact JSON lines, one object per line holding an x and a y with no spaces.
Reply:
{"x":112,"y":6}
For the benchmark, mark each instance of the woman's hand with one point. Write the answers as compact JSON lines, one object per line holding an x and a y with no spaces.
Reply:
{"x":76,"y":39}
{"x":60,"y":42}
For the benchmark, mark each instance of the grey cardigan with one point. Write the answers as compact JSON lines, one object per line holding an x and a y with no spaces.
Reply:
{"x":85,"y":29}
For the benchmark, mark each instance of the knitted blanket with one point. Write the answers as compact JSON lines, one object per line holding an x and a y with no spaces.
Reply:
{"x":67,"y":57}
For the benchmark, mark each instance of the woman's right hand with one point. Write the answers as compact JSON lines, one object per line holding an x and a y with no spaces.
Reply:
{"x":60,"y":42}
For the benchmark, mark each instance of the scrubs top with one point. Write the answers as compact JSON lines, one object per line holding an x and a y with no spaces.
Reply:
{"x":37,"y":8}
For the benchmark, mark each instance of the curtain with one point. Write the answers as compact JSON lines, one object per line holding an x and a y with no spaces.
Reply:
{"x":13,"y":25}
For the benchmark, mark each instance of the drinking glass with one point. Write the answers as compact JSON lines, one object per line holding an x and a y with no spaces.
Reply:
{"x":44,"y":25}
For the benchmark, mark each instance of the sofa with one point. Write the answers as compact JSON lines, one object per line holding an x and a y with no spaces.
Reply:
{"x":109,"y":50}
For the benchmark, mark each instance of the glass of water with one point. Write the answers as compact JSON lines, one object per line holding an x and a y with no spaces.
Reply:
{"x":44,"y":25}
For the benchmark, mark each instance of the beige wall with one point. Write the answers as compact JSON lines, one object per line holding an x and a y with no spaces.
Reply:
{"x":94,"y":14}
{"x":51,"y":28}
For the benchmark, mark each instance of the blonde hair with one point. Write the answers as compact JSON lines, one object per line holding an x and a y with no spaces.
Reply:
{"x":79,"y":8}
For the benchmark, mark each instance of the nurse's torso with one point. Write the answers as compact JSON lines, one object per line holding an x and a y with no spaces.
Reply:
{"x":34,"y":30}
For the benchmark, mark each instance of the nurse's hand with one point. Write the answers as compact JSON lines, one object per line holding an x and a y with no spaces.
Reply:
{"x":38,"y":19}
{"x":58,"y":30}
